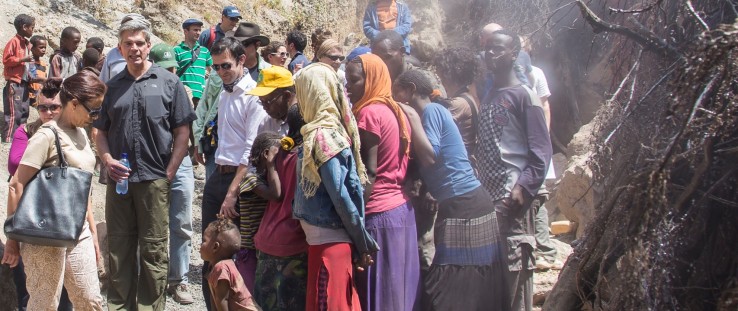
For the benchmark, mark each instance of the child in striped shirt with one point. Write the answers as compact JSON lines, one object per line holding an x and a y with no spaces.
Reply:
{"x":260,"y":185}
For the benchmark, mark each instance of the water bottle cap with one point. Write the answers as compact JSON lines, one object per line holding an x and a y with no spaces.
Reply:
{"x":124,"y":155}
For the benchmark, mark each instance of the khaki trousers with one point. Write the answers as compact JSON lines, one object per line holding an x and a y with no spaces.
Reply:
{"x":138,"y":221}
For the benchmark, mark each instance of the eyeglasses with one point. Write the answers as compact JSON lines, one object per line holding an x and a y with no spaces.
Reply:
{"x":93,"y":113}
{"x":282,"y":54}
{"x":234,"y":19}
{"x":48,"y":108}
{"x":224,"y":66}
{"x":336,"y":57}
{"x":271,"y":101}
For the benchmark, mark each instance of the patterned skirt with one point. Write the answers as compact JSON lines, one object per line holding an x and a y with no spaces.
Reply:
{"x":469,"y":256}
{"x":281,"y":282}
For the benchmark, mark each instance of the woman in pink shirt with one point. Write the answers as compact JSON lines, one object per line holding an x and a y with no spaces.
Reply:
{"x":48,"y":109}
{"x":392,"y":282}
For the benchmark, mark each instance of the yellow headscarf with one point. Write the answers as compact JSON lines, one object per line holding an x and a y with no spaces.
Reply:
{"x":329,"y":125}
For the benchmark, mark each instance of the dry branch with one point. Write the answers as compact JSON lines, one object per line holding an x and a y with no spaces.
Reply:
{"x":648,"y":42}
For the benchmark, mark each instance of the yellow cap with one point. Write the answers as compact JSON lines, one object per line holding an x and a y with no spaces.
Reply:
{"x":270,"y":79}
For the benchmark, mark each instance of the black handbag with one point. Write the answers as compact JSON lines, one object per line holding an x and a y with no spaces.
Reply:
{"x":53,"y":207}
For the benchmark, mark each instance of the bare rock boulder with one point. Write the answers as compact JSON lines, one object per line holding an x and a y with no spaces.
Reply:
{"x":426,"y":39}
{"x":575,"y":196}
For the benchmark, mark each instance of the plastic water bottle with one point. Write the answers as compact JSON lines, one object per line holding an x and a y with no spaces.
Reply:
{"x":122,"y":186}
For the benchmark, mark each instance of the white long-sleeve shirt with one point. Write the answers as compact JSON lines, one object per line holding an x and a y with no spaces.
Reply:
{"x":239,"y":118}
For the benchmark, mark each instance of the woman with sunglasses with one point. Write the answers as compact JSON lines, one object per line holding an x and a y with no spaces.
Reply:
{"x":48,"y":106}
{"x":276,"y":54}
{"x":331,"y":54}
{"x":48,"y":268}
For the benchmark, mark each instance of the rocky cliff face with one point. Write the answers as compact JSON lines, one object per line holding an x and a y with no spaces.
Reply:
{"x":100,"y":18}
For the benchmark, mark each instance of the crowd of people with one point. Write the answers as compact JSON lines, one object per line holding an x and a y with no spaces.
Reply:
{"x":358,"y":180}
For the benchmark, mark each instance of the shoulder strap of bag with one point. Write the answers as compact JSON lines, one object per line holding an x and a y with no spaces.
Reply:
{"x":62,"y":159}
{"x":195,"y":54}
{"x":475,"y":114}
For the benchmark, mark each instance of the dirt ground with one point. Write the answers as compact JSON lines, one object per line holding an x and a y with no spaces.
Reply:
{"x":544,"y":281}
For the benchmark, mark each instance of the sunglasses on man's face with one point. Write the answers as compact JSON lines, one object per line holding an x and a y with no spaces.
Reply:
{"x":235,"y":19}
{"x":336,"y":57}
{"x":224,"y":66}
{"x":48,"y":108}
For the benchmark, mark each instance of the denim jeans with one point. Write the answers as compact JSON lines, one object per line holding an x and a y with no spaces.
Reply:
{"x":209,"y":166}
{"x":180,"y":222}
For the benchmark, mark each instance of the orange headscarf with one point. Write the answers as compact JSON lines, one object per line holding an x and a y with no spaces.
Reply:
{"x":378,"y":89}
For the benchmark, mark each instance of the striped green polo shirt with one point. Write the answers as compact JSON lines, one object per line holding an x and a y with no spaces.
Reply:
{"x":194,"y":76}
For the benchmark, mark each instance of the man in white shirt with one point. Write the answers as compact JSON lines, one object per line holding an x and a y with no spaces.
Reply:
{"x":539,"y":84}
{"x":239,"y":118}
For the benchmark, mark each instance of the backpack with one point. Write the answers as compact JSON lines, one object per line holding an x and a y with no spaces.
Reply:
{"x":212,"y":38}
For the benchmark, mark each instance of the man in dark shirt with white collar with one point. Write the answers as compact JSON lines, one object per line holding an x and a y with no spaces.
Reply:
{"x":146,"y":113}
{"x":296,"y":42}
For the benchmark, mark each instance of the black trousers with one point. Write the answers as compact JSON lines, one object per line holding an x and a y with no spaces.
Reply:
{"x":15,"y":108}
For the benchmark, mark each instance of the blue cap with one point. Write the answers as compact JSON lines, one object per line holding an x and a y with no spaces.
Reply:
{"x":361,"y":50}
{"x":191,"y":21}
{"x":231,"y":11}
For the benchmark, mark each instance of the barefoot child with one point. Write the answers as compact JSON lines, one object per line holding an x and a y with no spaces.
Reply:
{"x":260,"y":185}
{"x":220,"y":242}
